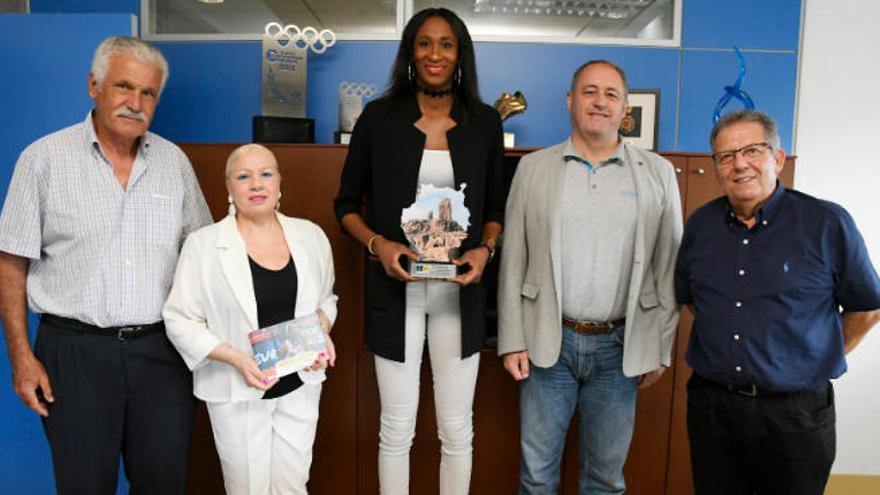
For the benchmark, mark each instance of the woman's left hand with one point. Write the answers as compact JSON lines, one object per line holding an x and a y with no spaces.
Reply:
{"x":328,"y":357}
{"x":476,"y":258}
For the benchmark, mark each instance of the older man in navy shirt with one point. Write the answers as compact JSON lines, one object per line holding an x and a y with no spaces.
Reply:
{"x":781,"y":287}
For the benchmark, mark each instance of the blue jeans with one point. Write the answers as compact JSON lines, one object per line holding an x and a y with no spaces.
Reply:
{"x":588,"y":375}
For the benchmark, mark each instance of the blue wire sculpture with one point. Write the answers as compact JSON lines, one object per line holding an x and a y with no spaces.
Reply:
{"x":734,"y":91}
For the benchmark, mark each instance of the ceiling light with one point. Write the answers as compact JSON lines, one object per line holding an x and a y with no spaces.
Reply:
{"x":608,"y":9}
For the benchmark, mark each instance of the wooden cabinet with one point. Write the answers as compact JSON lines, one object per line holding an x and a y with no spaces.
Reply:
{"x":347,"y":440}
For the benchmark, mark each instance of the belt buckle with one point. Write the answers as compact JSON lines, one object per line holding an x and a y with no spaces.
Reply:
{"x":747,"y":390}
{"x":121,"y":331}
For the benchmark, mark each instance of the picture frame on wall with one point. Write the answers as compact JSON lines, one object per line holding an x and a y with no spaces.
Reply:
{"x":641,"y":122}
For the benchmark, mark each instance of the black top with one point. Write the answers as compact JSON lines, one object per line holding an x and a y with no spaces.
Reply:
{"x":275,"y":292}
{"x":382,"y":167}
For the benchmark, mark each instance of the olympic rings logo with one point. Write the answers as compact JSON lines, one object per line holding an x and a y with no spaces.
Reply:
{"x":305,"y":38}
{"x":357,"y":89}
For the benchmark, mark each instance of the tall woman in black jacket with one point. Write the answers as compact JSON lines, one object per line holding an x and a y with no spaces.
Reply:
{"x":430,"y":127}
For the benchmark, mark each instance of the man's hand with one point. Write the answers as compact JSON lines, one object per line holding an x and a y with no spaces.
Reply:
{"x":856,"y":325}
{"x":29,"y":378}
{"x":651,"y":377}
{"x":517,"y":364}
{"x":30,"y":381}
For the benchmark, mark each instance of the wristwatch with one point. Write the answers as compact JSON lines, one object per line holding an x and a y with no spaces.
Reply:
{"x":489,"y":247}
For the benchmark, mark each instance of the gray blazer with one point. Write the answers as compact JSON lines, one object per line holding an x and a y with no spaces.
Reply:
{"x":529,"y":301}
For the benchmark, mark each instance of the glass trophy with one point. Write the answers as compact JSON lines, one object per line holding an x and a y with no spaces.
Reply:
{"x":435,"y":225}
{"x":285,"y":57}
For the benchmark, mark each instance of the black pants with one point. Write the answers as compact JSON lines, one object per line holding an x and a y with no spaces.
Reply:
{"x":115,"y":398}
{"x":773,"y":445}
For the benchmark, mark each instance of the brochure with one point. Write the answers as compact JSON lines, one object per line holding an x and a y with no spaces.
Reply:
{"x":289,"y":346}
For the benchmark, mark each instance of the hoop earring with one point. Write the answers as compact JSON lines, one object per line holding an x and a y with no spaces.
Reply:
{"x":231,"y":208}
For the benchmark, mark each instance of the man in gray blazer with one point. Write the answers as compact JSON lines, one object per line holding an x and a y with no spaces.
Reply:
{"x":587,"y":311}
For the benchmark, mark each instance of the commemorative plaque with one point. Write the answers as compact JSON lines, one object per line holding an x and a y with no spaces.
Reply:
{"x":351,"y":102}
{"x":285,"y":58}
{"x":435,"y":226}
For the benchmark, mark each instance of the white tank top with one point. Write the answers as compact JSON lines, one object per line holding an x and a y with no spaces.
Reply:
{"x":436,"y":169}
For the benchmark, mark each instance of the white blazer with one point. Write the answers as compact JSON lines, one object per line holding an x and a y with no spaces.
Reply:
{"x":212,"y":300}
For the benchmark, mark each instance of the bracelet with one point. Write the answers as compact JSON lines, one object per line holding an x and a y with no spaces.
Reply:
{"x":370,"y":243}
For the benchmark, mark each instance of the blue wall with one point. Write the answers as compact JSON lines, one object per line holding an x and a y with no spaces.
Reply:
{"x":45,"y":60}
{"x":214,"y":89}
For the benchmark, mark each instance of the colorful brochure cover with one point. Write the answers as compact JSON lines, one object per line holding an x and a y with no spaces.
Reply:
{"x":289,"y":346}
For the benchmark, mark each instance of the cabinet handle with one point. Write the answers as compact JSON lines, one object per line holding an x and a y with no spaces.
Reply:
{"x":678,"y":170}
{"x":700,"y":171}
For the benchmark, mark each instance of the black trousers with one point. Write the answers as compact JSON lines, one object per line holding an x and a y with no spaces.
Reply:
{"x":774,"y":444}
{"x":129,"y":398}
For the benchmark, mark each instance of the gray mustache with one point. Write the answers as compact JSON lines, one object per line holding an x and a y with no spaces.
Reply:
{"x":124,"y":112}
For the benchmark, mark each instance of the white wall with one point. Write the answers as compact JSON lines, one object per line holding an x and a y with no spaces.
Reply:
{"x":838,"y":148}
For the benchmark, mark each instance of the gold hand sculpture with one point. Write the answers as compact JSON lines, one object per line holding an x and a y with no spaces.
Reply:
{"x":509,"y":105}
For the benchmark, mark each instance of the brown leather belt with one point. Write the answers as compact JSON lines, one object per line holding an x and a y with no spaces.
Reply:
{"x":592,"y":328}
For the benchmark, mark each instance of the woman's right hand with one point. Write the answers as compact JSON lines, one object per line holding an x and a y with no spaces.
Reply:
{"x":389,"y":253}
{"x":245,"y":364}
{"x":252,"y":374}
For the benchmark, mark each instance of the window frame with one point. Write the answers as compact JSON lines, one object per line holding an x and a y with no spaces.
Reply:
{"x":405,"y":12}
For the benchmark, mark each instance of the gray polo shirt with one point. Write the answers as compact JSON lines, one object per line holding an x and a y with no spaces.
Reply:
{"x":599,"y":213}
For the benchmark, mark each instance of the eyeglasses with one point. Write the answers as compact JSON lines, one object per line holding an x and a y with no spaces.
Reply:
{"x":750,"y":152}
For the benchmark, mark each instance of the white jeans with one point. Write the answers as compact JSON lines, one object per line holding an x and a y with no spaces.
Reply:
{"x":454,"y":382}
{"x":265,"y":446}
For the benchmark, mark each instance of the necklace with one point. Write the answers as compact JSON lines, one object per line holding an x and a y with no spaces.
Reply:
{"x":434,"y":93}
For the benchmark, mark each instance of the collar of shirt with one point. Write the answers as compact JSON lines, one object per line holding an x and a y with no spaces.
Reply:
{"x":765,"y":213}
{"x":570,"y":153}
{"x":91,"y":138}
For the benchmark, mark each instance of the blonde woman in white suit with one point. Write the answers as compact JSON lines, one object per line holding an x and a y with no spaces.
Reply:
{"x":254,"y":268}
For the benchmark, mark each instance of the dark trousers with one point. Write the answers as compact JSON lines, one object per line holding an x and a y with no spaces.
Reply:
{"x":773,"y":444}
{"x":129,"y":398}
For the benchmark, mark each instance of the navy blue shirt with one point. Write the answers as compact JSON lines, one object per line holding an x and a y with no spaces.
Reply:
{"x":767,"y":299}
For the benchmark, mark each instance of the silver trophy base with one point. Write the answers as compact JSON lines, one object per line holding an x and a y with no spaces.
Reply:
{"x":432,"y":270}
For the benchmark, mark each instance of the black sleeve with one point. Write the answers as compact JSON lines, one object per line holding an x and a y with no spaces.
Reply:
{"x":496,"y":193}
{"x":357,"y":171}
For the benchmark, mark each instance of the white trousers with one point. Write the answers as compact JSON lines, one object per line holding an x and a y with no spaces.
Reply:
{"x":265,"y":446}
{"x":432,"y":307}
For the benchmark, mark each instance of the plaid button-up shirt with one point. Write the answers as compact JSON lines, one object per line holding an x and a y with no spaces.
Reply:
{"x":98,"y":253}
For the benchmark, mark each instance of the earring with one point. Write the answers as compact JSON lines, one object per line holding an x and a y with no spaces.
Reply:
{"x":278,"y":202}
{"x":412,"y":73}
{"x":457,"y":80}
{"x":231,"y":206}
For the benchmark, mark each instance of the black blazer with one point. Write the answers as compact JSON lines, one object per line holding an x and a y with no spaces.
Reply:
{"x":383,"y":167}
